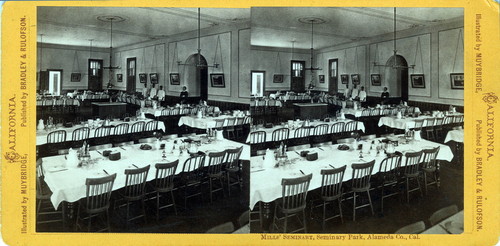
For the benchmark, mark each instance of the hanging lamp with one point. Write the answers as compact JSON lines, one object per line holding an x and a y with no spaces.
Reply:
{"x":394,"y":66}
{"x":198,"y":64}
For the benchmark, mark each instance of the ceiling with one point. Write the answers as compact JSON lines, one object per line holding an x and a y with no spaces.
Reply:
{"x":272,"y":27}
{"x":278,"y":27}
{"x":77,"y":25}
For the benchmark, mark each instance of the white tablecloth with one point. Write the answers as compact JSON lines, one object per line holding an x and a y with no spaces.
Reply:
{"x":201,"y":123}
{"x":403,"y":123}
{"x":69,"y":185}
{"x":455,"y":135}
{"x":438,"y":228}
{"x":265,"y":182}
{"x":41,"y":135}
{"x":269,"y":131}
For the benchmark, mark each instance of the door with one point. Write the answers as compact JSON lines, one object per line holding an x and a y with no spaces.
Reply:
{"x":333,"y":76}
{"x":95,"y":75}
{"x":258,"y":83}
{"x":55,"y":81}
{"x":297,"y":74}
{"x":131,"y":63}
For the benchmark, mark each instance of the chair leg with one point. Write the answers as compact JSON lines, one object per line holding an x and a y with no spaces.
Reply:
{"x":228,"y":183}
{"x":157,"y":206}
{"x":354,"y":207}
{"x":324,"y":216}
{"x":370,"y":200}
{"x":286,"y":223}
{"x":107,"y":221}
{"x":304,"y":219}
{"x":425,"y":182}
{"x":340,"y":210}
{"x":173,"y":201}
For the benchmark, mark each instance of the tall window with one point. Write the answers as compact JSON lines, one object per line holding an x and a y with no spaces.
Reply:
{"x":131,"y":68}
{"x":297,"y":69}
{"x":258,"y":83}
{"x":95,"y":66}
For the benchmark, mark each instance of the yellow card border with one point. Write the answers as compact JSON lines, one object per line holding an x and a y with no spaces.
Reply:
{"x":481,"y":174}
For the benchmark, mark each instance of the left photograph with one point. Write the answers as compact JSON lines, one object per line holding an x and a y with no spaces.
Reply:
{"x":122,"y":145}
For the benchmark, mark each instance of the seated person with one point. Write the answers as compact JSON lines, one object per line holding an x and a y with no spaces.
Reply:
{"x":160,"y":94}
{"x":184,"y":94}
{"x":152,"y":92}
{"x":385,"y":96}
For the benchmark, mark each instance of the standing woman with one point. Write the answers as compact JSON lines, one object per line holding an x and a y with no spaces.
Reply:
{"x":184,"y":94}
{"x":385,"y":96}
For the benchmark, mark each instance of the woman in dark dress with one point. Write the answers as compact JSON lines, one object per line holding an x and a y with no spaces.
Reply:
{"x":184,"y":94}
{"x":385,"y":96}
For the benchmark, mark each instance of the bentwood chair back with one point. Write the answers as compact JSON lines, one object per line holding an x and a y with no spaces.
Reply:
{"x":365,"y":113}
{"x":301,"y":132}
{"x":165,"y":112}
{"x":430,"y":167}
{"x":232,"y":167}
{"x":175,"y":111}
{"x":293,"y":201}
{"x":214,"y":166}
{"x":360,"y":182}
{"x":388,"y":177}
{"x":151,"y":126}
{"x":58,"y":136}
{"x":121,"y":129}
{"x":415,"y":228}
{"x":137,"y":127}
{"x":280,"y":134}
{"x":411,"y":172}
{"x":337,"y":128}
{"x":375,"y":112}
{"x":81,"y":133}
{"x":350,"y":126}
{"x":442,"y":214}
{"x":257,"y":137}
{"x":103,"y":131}
{"x":98,"y":193}
{"x":163,"y":183}
{"x":320,"y":130}
{"x":191,"y":177}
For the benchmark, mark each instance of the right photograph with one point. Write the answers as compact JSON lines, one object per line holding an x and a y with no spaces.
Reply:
{"x":357,"y":120}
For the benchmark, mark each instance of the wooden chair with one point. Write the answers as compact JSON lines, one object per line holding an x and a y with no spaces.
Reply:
{"x":442,"y":214}
{"x":257,"y":137}
{"x":233,"y":168}
{"x":96,"y":201}
{"x":301,"y":138}
{"x":238,"y":126}
{"x":411,"y":172}
{"x":121,"y":129}
{"x":360,"y":182}
{"x":337,"y":128}
{"x":214,"y":172}
{"x":44,"y":208}
{"x":81,"y":133}
{"x":387,"y":177}
{"x":320,"y":135}
{"x":164,"y":183}
{"x":103,"y":131}
{"x":350,"y":127}
{"x":219,"y":124}
{"x":137,"y":127}
{"x":292,"y":202}
{"x":280,"y":134}
{"x":151,"y":126}
{"x":331,"y":191}
{"x":227,"y":227}
{"x":430,"y":167}
{"x":415,"y":228}
{"x":438,"y":128}
{"x":429,"y":128}
{"x":134,"y":190}
{"x":191,"y":177}
{"x":419,"y":123}
{"x":58,"y":136}
{"x":229,"y":127}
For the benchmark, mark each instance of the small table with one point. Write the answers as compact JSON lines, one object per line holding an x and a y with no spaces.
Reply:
{"x":310,"y":110}
{"x":109,"y":109}
{"x":455,"y":135}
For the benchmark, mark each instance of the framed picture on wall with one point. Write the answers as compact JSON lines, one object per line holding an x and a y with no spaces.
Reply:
{"x":217,"y":80}
{"x":119,"y":77}
{"x":417,"y":80}
{"x":322,"y":79}
{"x":344,"y":78}
{"x":278,"y":78}
{"x":76,"y":77}
{"x":355,"y":79}
{"x":375,"y":78}
{"x":143,"y":78}
{"x":457,"y":81}
{"x":175,"y":79}
{"x":153,"y":77}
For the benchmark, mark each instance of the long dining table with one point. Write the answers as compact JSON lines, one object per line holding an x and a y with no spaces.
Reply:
{"x":405,"y":123}
{"x":202,"y":123}
{"x":41,"y":135}
{"x":312,"y":124}
{"x":266,"y":179}
{"x":67,"y":181}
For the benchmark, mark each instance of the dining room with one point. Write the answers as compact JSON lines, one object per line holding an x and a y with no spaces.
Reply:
{"x":357,"y":120}
{"x":141,"y":120}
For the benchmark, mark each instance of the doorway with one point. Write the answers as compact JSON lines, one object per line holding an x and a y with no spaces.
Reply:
{"x":196,"y":77}
{"x":54,"y":81}
{"x":397,"y":78}
{"x":95,"y":75}
{"x":258,"y":83}
{"x":333,"y":76}
{"x":131,"y":63}
{"x":297,"y":74}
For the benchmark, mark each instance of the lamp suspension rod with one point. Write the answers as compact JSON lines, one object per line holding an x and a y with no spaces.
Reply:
{"x":312,"y":42}
{"x":199,"y":45}
{"x":395,"y":50}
